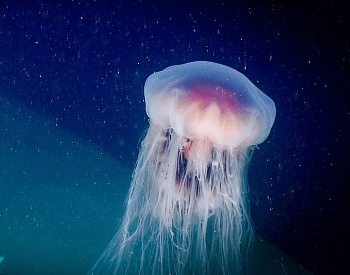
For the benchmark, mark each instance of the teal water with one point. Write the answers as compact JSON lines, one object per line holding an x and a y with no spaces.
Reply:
{"x":60,"y":196}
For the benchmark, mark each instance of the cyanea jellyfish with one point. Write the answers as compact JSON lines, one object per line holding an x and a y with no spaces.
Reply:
{"x":187,"y":209}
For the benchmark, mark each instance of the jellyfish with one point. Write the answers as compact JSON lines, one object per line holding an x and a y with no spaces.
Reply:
{"x":187,"y":210}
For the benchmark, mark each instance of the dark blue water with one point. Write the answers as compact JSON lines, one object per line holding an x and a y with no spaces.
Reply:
{"x":73,"y":74}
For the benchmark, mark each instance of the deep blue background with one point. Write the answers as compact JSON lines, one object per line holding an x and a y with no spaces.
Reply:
{"x":83,"y":64}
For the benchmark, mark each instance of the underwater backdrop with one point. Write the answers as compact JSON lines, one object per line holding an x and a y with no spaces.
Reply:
{"x":72,"y":114}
